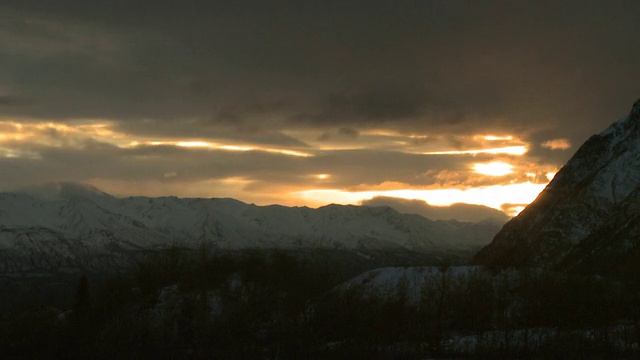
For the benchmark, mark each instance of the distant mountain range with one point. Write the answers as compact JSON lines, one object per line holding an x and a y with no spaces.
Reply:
{"x":460,"y":212}
{"x":68,"y":227}
{"x":588,"y":218}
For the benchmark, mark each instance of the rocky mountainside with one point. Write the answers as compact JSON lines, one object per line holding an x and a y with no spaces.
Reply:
{"x":588,"y":217}
{"x":66,"y":227}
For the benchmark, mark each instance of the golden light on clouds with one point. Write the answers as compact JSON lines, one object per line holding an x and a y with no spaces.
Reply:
{"x":61,"y":135}
{"x":184,"y":143}
{"x":18,"y":154}
{"x":460,"y":183}
{"x":557,"y":144}
{"x":58,"y":135}
{"x":226,"y":147}
{"x":494,"y":168}
{"x":495,"y":196}
{"x":497,"y":137}
{"x":514,"y":210}
{"x":517,"y":150}
{"x":12,"y":137}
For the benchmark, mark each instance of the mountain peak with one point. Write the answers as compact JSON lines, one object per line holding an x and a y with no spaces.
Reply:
{"x":588,"y":215}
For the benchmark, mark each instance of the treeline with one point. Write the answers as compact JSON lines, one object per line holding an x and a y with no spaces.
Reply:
{"x":487,"y":314}
{"x":181,"y":303}
{"x":184,"y":304}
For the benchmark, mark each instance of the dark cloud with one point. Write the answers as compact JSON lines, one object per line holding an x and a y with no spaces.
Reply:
{"x":380,"y":103}
{"x":10,"y":101}
{"x":344,"y":132}
{"x":349,"y":132}
{"x":255,"y":72}
{"x":247,"y":110}
{"x":431,"y":64}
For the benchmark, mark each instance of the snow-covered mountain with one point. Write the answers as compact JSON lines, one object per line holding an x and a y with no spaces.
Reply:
{"x":588,"y":217}
{"x":69,"y":227}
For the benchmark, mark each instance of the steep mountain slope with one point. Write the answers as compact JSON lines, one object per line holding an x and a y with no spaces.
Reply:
{"x":588,"y":217}
{"x":67,"y":227}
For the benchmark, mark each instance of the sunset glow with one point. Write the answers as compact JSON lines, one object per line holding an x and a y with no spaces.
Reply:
{"x":495,"y":168}
{"x":498,"y":138}
{"x":311,"y":99}
{"x":492,"y":196}
{"x":227,"y":147}
{"x":17,"y":137}
{"x":557,"y":144}
{"x":508,"y":150}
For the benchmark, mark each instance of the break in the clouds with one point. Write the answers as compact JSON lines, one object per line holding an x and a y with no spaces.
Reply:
{"x":267,"y":101}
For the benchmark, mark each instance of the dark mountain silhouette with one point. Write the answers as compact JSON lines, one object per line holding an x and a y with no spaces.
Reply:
{"x":588,"y":217}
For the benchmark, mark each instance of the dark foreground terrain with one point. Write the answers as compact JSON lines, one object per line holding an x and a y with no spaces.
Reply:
{"x":180,"y":304}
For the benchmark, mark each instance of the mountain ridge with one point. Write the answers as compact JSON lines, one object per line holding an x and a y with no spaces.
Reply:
{"x":97,"y":231}
{"x":580,"y":217}
{"x":460,"y":211}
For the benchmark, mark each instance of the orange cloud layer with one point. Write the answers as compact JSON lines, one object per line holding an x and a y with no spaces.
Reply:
{"x":557,"y":144}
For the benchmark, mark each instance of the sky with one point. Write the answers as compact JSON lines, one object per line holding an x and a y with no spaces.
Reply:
{"x":311,"y":102}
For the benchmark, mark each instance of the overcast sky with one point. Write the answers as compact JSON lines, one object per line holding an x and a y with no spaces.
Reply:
{"x":305,"y":103}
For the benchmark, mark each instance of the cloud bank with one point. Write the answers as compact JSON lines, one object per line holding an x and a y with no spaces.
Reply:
{"x":254,"y":99}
